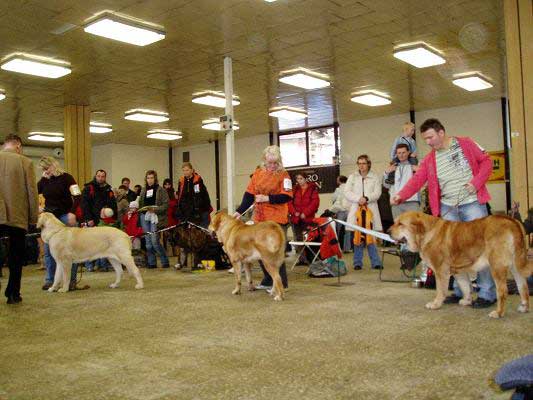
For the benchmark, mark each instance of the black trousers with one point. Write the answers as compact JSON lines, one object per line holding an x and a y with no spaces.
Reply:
{"x":267,"y":279}
{"x":15,"y":259}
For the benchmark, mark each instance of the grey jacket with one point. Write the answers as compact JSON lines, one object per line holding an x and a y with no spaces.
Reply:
{"x":161,"y":203}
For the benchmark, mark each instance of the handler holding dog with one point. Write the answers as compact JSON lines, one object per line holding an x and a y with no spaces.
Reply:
{"x":270,"y":189}
{"x":456,"y":171}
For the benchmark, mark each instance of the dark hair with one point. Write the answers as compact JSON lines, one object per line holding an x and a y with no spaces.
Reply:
{"x":432,"y":123}
{"x":366,"y":158}
{"x":137,"y":187}
{"x":125,"y":179}
{"x":123,"y":187}
{"x":403,"y":146}
{"x":167,"y":180}
{"x":101,"y":170}
{"x":343,"y":179}
{"x":13,"y":138}
{"x":151,"y":172}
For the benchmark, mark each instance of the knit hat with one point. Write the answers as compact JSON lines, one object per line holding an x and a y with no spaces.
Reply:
{"x":134,"y":204}
{"x":107,"y":212}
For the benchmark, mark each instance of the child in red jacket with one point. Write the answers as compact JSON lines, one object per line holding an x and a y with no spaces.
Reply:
{"x":132,"y":225}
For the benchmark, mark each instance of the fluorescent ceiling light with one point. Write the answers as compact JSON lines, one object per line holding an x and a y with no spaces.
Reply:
{"x":472,"y":82}
{"x":287,"y":113}
{"x":371,"y":98}
{"x":214,"y":124}
{"x":46,"y":136}
{"x":270,"y":1}
{"x":124,"y":29}
{"x":35,"y":65}
{"x":304,"y":78}
{"x":419,"y":54}
{"x":139,"y":114}
{"x":2,"y":95}
{"x":164,"y":134}
{"x":100,"y":127}
{"x":214,"y":99}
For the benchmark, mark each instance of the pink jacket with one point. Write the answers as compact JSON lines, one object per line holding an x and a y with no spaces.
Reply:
{"x":479,"y":161}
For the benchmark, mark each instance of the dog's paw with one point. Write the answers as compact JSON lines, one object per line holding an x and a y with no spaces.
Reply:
{"x":495,"y":314}
{"x":63,"y":290}
{"x":278,"y":298}
{"x":139,"y":286}
{"x":523,"y":308}
{"x":251,"y":288}
{"x":236,"y":291}
{"x":433,"y":305}
{"x":464,"y":302}
{"x":52,"y":289}
{"x":113,"y":285}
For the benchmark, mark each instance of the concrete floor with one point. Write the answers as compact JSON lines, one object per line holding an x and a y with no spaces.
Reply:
{"x":186,"y":337}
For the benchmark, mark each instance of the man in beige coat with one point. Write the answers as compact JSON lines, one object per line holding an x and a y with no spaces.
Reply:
{"x":19,"y":207}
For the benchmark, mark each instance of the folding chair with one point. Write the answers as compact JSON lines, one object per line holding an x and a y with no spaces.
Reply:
{"x":306,"y":245}
{"x":407,"y":275}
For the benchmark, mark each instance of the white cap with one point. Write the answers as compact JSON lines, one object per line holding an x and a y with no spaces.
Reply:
{"x":108,"y":212}
{"x":134,"y":204}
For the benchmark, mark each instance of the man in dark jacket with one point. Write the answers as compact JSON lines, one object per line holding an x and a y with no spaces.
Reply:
{"x":131,"y":196}
{"x":194,"y":204}
{"x":96,"y":195}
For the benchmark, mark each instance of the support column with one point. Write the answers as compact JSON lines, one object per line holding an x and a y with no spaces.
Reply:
{"x":78,"y":150}
{"x":518,"y":38}
{"x":230,"y":135}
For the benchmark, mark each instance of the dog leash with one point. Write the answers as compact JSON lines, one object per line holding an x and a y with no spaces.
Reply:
{"x":248,"y":209}
{"x":377,"y":234}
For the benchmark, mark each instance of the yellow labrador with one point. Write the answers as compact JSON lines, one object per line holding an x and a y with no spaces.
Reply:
{"x":457,"y":247}
{"x":77,"y":245}
{"x":243,"y":243}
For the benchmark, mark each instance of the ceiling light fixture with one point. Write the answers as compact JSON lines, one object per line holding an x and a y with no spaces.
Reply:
{"x":213,"y":99}
{"x":419,"y":54}
{"x":139,"y":114}
{"x":164,"y":134}
{"x":215,"y":125}
{"x":371,"y":98}
{"x":100,"y":127}
{"x":2,"y":95}
{"x":472,"y":81}
{"x":304,"y":78}
{"x":36,"y":65}
{"x":287,"y":113}
{"x":46,"y":136}
{"x":124,"y":29}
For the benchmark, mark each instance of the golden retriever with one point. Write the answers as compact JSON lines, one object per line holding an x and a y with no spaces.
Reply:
{"x":77,"y":245}
{"x":244,"y":243}
{"x":455,"y":248}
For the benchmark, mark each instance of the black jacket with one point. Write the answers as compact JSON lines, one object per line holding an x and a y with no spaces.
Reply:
{"x":193,"y":198}
{"x":95,"y":197}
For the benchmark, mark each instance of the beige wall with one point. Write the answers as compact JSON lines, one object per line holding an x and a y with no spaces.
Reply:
{"x":120,"y":160}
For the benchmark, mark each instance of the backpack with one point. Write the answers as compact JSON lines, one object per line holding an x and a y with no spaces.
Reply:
{"x":328,"y":268}
{"x":213,"y":251}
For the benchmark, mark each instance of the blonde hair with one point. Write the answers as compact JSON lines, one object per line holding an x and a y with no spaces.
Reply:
{"x":408,"y":126}
{"x":46,"y":162}
{"x":274,"y":152}
{"x":187,"y":164}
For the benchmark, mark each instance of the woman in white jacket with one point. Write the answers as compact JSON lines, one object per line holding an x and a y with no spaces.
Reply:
{"x":364,"y":187}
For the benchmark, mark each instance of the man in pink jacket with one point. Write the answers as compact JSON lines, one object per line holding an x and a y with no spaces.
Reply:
{"x":456,"y":171}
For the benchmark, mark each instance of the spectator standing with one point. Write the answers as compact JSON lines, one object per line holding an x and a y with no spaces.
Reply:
{"x":19,"y":208}
{"x":194,"y":204}
{"x":341,"y":212}
{"x":364,"y":189}
{"x":155,"y":198}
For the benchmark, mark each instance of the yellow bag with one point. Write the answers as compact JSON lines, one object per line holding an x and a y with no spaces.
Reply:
{"x":363,"y":218}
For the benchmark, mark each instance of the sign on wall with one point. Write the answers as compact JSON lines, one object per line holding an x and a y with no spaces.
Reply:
{"x":324,"y":177}
{"x":498,"y":166}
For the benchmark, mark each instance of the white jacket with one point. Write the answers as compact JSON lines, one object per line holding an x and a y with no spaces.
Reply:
{"x":354,"y":191}
{"x":338,"y":199}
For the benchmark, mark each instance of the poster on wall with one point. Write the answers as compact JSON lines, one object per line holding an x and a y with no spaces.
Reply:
{"x":324,"y":177}
{"x":498,"y":167}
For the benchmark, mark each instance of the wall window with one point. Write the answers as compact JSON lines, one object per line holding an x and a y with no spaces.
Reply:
{"x":310,"y":147}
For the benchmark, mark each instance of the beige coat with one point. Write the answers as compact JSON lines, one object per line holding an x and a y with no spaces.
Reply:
{"x":353,"y":191}
{"x":19,"y":204}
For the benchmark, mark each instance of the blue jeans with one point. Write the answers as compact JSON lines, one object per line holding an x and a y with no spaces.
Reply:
{"x":372,"y":253}
{"x":465,"y":213}
{"x":153,"y":246}
{"x":49,"y":262}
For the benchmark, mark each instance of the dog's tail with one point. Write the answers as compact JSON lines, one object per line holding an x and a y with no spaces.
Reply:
{"x":523,"y":265}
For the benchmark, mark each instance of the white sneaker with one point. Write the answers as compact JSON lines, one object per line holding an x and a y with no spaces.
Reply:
{"x":263,"y":287}
{"x":231,"y":270}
